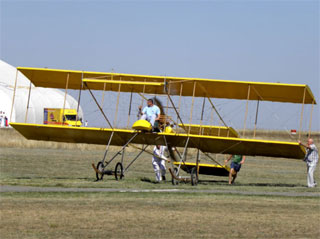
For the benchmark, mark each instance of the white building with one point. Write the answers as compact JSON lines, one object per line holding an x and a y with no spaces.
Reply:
{"x":40,"y":98}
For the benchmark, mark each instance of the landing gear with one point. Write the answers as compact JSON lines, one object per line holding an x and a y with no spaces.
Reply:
{"x":100,"y":168}
{"x":194,"y":176}
{"x":118,"y":172}
{"x":174,"y":181}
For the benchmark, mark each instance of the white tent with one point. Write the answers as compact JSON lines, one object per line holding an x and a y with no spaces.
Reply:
{"x":40,"y":97}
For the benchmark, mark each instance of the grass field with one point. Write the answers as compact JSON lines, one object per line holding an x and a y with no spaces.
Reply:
{"x":146,"y":215}
{"x":156,"y":215}
{"x":72,"y":168}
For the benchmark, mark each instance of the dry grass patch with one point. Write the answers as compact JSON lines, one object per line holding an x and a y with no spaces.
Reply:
{"x":133,"y":215}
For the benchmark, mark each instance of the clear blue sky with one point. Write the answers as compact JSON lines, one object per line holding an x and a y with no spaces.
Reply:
{"x":269,"y":41}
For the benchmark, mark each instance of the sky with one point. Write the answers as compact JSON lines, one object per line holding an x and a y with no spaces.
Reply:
{"x":265,"y":41}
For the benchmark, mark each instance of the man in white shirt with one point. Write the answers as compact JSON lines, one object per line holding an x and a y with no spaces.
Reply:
{"x":159,"y":162}
{"x":150,"y":113}
{"x":311,"y":158}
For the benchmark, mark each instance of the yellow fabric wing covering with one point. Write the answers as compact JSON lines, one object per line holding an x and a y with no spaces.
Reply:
{"x":278,"y":92}
{"x":211,"y":130}
{"x":207,"y":169}
{"x":210,"y":144}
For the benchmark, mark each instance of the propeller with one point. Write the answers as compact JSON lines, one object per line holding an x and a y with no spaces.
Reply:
{"x":170,"y":149}
{"x":159,"y":104}
{"x":172,"y":154}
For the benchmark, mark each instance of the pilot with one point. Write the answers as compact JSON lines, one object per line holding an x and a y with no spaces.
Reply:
{"x":150,"y":113}
{"x":159,"y":162}
{"x":237,"y":161}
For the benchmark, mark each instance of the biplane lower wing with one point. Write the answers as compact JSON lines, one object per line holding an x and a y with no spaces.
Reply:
{"x":210,"y":144}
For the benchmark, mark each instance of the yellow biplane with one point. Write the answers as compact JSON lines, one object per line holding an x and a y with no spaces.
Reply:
{"x":205,"y":138}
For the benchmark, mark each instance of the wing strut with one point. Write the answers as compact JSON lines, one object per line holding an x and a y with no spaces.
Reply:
{"x":183,"y":155}
{"x":122,"y":148}
{"x":142,"y":150}
{"x":212,"y":105}
{"x":104,"y":115}
{"x":107,"y":148}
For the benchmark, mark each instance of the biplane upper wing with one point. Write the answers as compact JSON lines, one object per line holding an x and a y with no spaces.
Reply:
{"x":210,"y":144}
{"x":278,"y":92}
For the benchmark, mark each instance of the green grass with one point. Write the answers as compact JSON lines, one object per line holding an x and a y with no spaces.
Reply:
{"x":72,"y":168}
{"x":40,"y":163}
{"x":151,"y":215}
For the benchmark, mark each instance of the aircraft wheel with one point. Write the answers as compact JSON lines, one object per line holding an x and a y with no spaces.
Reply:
{"x":194,"y":176}
{"x":100,"y":167}
{"x":173,"y":180}
{"x":118,"y":172}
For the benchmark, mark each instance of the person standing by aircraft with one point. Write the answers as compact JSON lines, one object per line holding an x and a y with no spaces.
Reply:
{"x":6,"y":121}
{"x":150,"y":113}
{"x":311,"y":158}
{"x":237,"y":161}
{"x":159,"y":162}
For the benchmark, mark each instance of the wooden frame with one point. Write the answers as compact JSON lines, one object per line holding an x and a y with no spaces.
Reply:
{"x":14,"y":94}
{"x":117,"y":106}
{"x":302,"y":110}
{"x":65,"y":98}
{"x":79,"y":96}
{"x":29,"y":93}
{"x":192,"y":104}
{"x":310,"y":121}
{"x":246,"y":113}
{"x":256,"y":120}
{"x":179,"y":104}
{"x":129,"y":110}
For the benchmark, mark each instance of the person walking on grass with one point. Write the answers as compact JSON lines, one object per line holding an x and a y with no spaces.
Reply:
{"x":311,"y":158}
{"x":159,"y":162}
{"x":236,"y":162}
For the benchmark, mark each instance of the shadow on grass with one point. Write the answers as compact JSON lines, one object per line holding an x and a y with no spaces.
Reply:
{"x":59,"y":178}
{"x":33,"y":177}
{"x":287,"y":185}
{"x":217,"y":182}
{"x":204,"y":182}
{"x":148,"y":180}
{"x":224,"y":182}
